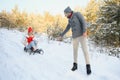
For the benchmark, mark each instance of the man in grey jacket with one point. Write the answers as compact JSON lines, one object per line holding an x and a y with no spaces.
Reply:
{"x":78,"y":25}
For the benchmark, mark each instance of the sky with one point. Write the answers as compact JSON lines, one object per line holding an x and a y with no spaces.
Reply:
{"x":40,"y":6}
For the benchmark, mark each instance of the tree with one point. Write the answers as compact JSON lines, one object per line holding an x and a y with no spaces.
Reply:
{"x":91,"y":11}
{"x":6,"y":20}
{"x":108,"y":34}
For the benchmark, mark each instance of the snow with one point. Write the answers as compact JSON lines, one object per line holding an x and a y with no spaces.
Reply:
{"x":55,"y":64}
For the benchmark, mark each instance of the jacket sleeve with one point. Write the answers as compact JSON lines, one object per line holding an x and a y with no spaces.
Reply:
{"x":36,"y":39}
{"x":66,"y":30}
{"x":82,"y":21}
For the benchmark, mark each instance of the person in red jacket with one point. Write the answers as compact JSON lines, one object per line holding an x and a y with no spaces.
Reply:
{"x":30,"y":42}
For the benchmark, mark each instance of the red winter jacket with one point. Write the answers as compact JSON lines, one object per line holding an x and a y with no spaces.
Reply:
{"x":29,"y":39}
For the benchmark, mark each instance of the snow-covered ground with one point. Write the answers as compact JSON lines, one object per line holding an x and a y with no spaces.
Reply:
{"x":55,"y":64}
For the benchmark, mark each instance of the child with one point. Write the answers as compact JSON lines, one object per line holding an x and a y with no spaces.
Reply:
{"x":30,"y":42}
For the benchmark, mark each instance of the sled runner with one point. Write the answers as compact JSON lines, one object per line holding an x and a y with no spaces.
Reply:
{"x":37,"y":51}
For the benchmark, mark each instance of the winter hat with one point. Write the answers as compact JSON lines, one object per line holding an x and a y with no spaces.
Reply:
{"x":68,"y":10}
{"x":30,"y":29}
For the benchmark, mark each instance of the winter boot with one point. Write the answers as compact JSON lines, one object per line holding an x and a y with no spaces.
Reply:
{"x":25,"y":49}
{"x":74,"y":67}
{"x":32,"y":49}
{"x":88,"y":69}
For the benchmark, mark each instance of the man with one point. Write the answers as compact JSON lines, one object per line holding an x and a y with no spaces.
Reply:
{"x":78,"y":25}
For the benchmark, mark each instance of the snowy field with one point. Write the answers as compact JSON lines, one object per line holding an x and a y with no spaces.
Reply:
{"x":55,"y":64}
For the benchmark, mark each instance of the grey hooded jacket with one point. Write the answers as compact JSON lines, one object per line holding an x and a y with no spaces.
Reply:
{"x":76,"y":23}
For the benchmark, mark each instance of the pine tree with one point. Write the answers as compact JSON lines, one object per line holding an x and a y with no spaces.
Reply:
{"x":108,"y":23}
{"x":90,"y":13}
